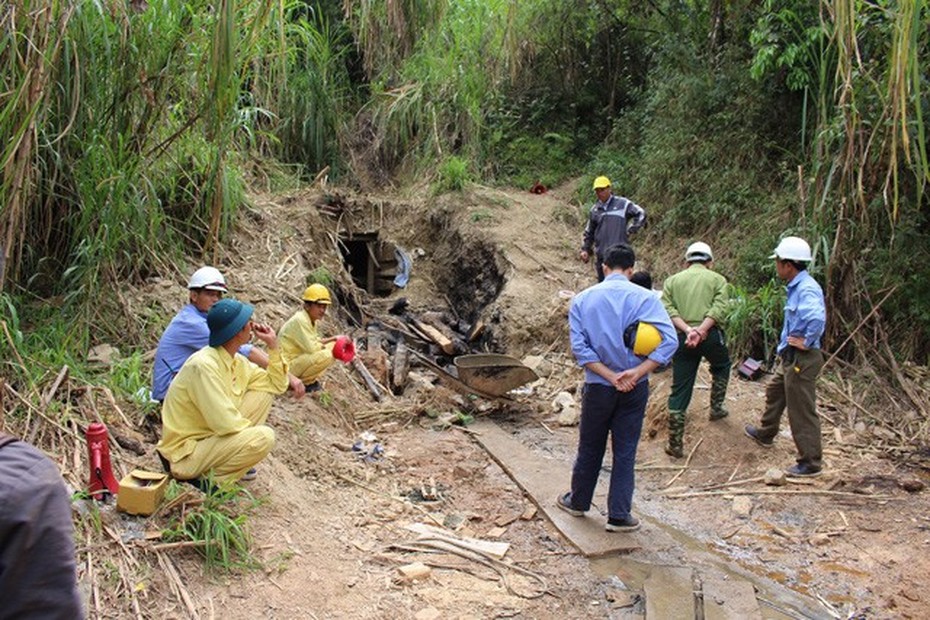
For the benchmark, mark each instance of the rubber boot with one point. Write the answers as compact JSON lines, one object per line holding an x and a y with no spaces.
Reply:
{"x":676,"y":434}
{"x":718,"y":397}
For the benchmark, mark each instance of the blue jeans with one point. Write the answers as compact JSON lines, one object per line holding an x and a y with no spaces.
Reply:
{"x":605,"y":410}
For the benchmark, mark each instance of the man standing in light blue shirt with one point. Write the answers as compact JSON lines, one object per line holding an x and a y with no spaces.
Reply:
{"x":601,"y":321}
{"x":187,"y":333}
{"x":801,"y":359}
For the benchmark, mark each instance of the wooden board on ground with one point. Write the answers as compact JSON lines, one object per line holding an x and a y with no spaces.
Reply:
{"x":669,"y":593}
{"x":732,"y":599}
{"x":543,"y":479}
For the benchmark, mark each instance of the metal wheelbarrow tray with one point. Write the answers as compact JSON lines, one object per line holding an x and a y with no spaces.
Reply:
{"x":493,"y":373}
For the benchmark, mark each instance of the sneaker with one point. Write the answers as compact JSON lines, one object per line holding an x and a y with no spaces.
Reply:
{"x":718,"y":415}
{"x":630,"y":524}
{"x":803,"y":470}
{"x":252,"y":474}
{"x":313,"y":387}
{"x":753,"y":433}
{"x":563,"y":502}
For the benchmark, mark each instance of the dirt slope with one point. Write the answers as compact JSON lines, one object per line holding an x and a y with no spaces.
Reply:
{"x":330,"y":530}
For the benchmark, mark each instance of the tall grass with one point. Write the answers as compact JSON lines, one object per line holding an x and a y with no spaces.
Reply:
{"x":435,"y":103}
{"x":862,"y":189}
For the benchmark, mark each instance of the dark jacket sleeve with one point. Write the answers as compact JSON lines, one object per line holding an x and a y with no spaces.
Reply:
{"x":587,"y":243}
{"x":38,"y":577}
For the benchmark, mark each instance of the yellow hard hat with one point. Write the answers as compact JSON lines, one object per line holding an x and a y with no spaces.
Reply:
{"x":643,"y":338}
{"x":601,"y":182}
{"x":318,"y":294}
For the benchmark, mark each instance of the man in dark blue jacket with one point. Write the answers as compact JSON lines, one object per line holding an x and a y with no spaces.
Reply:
{"x":38,"y":577}
{"x":611,"y":221}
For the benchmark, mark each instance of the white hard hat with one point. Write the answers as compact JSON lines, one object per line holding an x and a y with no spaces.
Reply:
{"x":793,"y":248}
{"x":698,"y":251}
{"x":209,"y":278}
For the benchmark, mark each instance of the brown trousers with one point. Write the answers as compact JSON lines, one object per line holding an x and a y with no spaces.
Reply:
{"x":794,"y":387}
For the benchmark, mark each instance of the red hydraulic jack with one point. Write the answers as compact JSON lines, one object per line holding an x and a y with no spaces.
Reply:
{"x":101,"y":473}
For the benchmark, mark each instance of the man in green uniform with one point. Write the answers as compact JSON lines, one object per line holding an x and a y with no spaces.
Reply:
{"x":696,"y":300}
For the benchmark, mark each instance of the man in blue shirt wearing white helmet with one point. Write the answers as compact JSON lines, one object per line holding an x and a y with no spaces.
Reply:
{"x":800,"y":360}
{"x":620,"y":332}
{"x":188,"y":332}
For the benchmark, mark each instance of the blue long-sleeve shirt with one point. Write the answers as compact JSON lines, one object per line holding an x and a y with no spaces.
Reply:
{"x":186,"y":334}
{"x":805,"y":312}
{"x":598,"y":317}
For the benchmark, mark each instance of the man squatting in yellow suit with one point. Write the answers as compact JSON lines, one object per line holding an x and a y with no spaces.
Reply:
{"x":306,"y":354}
{"x":215,"y":410}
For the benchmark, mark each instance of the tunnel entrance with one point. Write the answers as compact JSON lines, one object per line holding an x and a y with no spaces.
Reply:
{"x":371,"y":261}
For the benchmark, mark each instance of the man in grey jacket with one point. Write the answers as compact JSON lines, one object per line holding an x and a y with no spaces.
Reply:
{"x":611,"y":221}
{"x":38,"y":577}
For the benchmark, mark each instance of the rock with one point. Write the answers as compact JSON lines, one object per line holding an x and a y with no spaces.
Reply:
{"x":413,"y":572}
{"x":419,"y":381}
{"x":569,"y":417}
{"x":428,"y":613}
{"x":911,"y":485}
{"x":538,"y":364}
{"x":819,"y":540}
{"x":883,"y":433}
{"x":859,"y":427}
{"x":742,"y":506}
{"x":529,"y":513}
{"x":103,"y":354}
{"x":775,"y":477}
{"x":496,"y":532}
{"x":562,"y":400}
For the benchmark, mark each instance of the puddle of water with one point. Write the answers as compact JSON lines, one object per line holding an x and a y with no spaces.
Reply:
{"x":633,"y":573}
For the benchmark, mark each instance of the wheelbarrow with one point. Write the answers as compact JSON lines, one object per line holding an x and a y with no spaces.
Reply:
{"x":486,"y":374}
{"x":493,"y":373}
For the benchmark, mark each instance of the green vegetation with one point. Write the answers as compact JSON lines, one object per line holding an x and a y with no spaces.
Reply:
{"x":320,"y":275}
{"x":218,"y":524}
{"x":725,"y":120}
{"x":453,"y":175}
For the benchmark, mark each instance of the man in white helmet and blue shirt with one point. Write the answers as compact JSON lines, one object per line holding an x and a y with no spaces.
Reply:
{"x":800,"y":361}
{"x":188,"y":332}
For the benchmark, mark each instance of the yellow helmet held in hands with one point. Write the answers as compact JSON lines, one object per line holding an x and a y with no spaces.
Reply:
{"x":317,"y":294}
{"x":643,"y":338}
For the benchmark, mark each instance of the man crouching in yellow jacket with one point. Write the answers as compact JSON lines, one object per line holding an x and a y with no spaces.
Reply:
{"x":214,"y":412}
{"x":308,"y":355}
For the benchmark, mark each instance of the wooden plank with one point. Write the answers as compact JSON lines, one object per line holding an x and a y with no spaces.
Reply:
{"x":401,"y":366}
{"x":669,"y":593}
{"x":731,"y":599}
{"x":436,"y":336}
{"x":370,"y":382}
{"x":488,"y":547}
{"x":543,"y":480}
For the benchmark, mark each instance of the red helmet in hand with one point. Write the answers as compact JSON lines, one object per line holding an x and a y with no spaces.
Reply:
{"x":344,"y":349}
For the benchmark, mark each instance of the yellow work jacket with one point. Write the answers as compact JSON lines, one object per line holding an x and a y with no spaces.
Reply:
{"x":299,"y":336}
{"x":205,"y":397}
